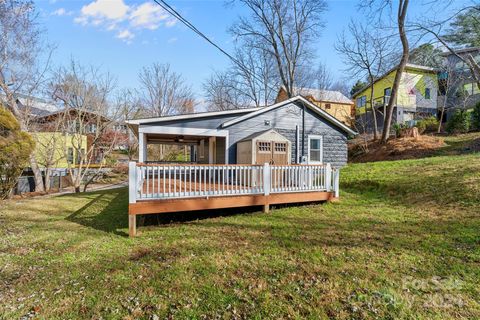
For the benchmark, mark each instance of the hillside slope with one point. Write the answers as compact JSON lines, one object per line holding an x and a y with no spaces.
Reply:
{"x":403,"y":243}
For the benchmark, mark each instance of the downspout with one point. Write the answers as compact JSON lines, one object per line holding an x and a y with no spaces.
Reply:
{"x":297,"y":144}
{"x":303,"y":130}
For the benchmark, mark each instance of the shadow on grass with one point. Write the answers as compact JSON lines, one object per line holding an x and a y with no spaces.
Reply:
{"x":107,"y":211}
{"x":198,"y":215}
{"x":459,"y":147}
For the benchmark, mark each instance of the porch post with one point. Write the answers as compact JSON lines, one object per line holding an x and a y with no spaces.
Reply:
{"x":142,"y":147}
{"x":211,"y":150}
{"x":132,"y":197}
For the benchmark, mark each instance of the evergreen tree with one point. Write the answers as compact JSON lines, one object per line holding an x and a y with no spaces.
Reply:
{"x":15,"y":149}
{"x":357,"y":86}
{"x":426,"y":55}
{"x":465,"y":29}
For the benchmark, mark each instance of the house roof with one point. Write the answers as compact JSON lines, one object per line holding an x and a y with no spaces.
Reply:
{"x":190,"y":116}
{"x":408,"y":66}
{"x":64,"y":110}
{"x":300,"y":99}
{"x":32,"y":105}
{"x":461,"y":50}
{"x":323,"y":95}
{"x":243,"y":114}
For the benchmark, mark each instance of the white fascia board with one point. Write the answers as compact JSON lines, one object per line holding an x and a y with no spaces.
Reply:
{"x":190,"y":116}
{"x":183,"y":131}
{"x":260,"y":111}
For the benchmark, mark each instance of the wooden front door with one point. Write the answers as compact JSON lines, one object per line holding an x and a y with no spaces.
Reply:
{"x":273,"y":152}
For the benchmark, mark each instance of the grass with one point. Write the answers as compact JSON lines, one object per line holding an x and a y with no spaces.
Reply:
{"x":460,"y":144}
{"x":403,"y":243}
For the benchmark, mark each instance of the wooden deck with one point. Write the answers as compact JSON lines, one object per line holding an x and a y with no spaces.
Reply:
{"x":218,"y":202}
{"x":176,"y":188}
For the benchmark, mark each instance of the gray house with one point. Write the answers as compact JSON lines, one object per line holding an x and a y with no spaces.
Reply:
{"x":239,"y":158}
{"x":312,"y":135}
{"x":458,"y":89}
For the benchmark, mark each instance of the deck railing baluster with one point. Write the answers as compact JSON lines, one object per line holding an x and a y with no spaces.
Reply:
{"x":183,"y":181}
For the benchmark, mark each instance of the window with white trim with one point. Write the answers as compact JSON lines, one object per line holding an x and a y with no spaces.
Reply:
{"x":315,"y":149}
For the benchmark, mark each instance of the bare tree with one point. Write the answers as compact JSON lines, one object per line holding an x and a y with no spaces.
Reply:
{"x":223,"y":92}
{"x":250,"y":81}
{"x":128,"y":105}
{"x":367,"y":56}
{"x":49,"y":146}
{"x":255,"y":74}
{"x":323,"y":77}
{"x":87,"y":116}
{"x":380,"y":6}
{"x":164,"y":91}
{"x":286,"y":29}
{"x":342,"y":87}
{"x":21,"y":70}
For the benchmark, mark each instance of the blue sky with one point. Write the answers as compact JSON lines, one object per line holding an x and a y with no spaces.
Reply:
{"x":123,"y":36}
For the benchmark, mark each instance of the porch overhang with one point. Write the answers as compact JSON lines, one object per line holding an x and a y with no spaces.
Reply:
{"x":176,"y":135}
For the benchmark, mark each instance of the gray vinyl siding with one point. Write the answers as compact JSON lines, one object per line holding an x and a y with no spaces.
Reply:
{"x":284,"y":120}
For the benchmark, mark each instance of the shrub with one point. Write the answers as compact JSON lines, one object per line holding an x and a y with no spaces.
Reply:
{"x":15,"y":149}
{"x":476,"y":117}
{"x":429,"y":124}
{"x":397,"y":127}
{"x":459,"y":122}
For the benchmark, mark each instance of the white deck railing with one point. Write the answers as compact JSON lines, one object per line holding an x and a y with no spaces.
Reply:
{"x":174,"y":181}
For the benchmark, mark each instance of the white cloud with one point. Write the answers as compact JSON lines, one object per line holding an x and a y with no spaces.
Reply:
{"x":149,"y":16}
{"x":125,"y":35}
{"x":172,"y":40}
{"x":61,"y":12}
{"x":115,"y":15}
{"x":106,"y":9}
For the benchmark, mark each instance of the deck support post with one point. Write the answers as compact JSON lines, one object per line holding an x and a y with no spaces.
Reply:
{"x":266,"y":208}
{"x":132,"y":225}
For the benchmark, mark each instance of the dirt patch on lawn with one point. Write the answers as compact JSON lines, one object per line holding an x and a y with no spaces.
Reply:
{"x":395,"y":149}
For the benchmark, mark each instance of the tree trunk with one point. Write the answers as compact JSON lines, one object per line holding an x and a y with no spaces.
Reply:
{"x":374,"y":115}
{"x":402,"y":12}
{"x":37,"y":174}
{"x":47,"y":179}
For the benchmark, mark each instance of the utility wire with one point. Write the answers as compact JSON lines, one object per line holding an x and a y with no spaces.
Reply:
{"x":177,"y":15}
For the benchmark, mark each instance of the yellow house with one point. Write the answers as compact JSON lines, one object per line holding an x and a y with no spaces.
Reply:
{"x":333,"y":102}
{"x":57,"y":150}
{"x":417,"y":93}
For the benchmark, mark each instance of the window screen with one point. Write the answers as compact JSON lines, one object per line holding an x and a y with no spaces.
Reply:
{"x":315,"y":149}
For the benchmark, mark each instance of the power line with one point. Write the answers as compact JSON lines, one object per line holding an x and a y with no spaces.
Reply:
{"x":177,"y":15}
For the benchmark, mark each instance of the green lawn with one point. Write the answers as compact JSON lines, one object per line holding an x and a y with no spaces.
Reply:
{"x":403,"y":242}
